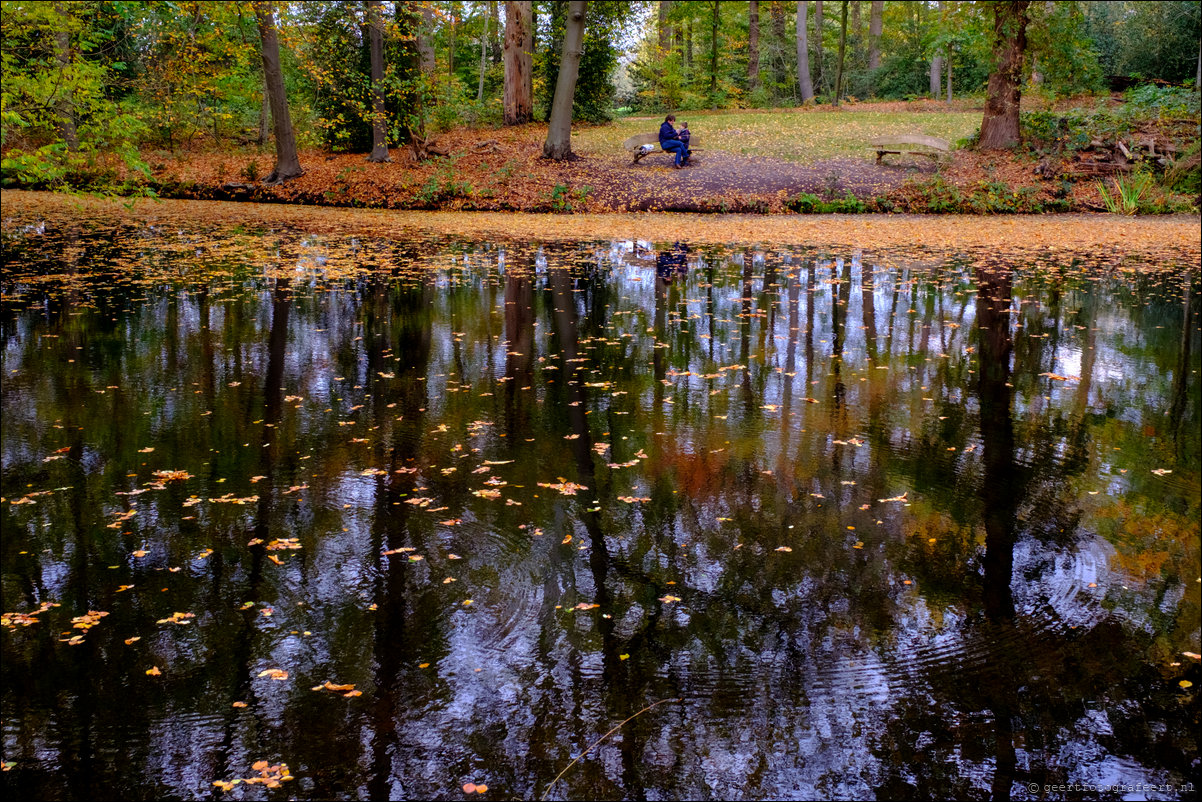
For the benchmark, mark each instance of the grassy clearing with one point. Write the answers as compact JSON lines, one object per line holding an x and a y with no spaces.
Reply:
{"x":793,"y":135}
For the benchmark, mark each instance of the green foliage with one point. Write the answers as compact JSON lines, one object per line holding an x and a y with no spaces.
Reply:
{"x":1062,"y":51}
{"x":594,"y":98}
{"x":807,"y":203}
{"x":1164,"y":101}
{"x":564,"y":198}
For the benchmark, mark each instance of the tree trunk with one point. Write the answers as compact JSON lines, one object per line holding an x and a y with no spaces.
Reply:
{"x":714,"y":53}
{"x":937,"y":64}
{"x":842,"y":50}
{"x":949,"y":77}
{"x":425,"y":39}
{"x":483,"y":60}
{"x":819,"y":73}
{"x":804,"y":84}
{"x":999,"y":127}
{"x":855,"y":17}
{"x":777,"y":10}
{"x":753,"y":45}
{"x":665,"y":27}
{"x":379,"y":130}
{"x":559,"y":133}
{"x":62,"y":55}
{"x":264,"y":115}
{"x":875,"y":23}
{"x":287,"y":164}
{"x":519,"y":63}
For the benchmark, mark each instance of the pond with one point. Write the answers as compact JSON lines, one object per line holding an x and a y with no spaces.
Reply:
{"x":324,"y":514}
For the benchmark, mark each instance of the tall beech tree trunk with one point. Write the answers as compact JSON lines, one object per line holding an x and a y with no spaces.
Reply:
{"x":62,"y":56}
{"x":855,"y":18}
{"x":804,"y":84}
{"x":425,"y":39}
{"x":937,"y":64}
{"x":875,"y":23}
{"x":519,"y":62}
{"x":379,"y":130}
{"x":999,"y":128}
{"x":287,"y":164}
{"x":559,"y":133}
{"x":819,"y":72}
{"x":777,"y":10}
{"x":842,"y":50}
{"x":483,"y":59}
{"x":714,"y":52}
{"x":753,"y":45}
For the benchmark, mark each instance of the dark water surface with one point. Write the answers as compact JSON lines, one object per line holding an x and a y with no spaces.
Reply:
{"x":923,"y":525}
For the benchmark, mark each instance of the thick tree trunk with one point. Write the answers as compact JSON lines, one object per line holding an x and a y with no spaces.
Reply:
{"x":665,"y":27}
{"x":379,"y":130}
{"x":855,"y":17}
{"x":519,"y":62}
{"x":804,"y":84}
{"x":875,"y":23}
{"x":753,"y":45}
{"x":819,"y":72}
{"x":264,"y":115}
{"x":714,"y":52}
{"x":559,"y":133}
{"x":62,"y":56}
{"x":999,"y":128}
{"x":287,"y":164}
{"x":425,"y":39}
{"x":842,"y":50}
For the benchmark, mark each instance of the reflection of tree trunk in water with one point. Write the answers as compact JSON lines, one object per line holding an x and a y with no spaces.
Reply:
{"x":999,"y":486}
{"x":394,"y":647}
{"x":1000,"y":492}
{"x":745,"y":338}
{"x":897,"y":282}
{"x":243,"y":647}
{"x":208,"y":372}
{"x":709,"y":301}
{"x":809,"y":354}
{"x":782,"y":467}
{"x":1178,"y":405}
{"x":868,"y":311}
{"x":519,"y":333}
{"x":659,"y":359}
{"x":838,"y":334}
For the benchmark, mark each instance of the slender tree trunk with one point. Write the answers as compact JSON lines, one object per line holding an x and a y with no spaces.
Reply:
{"x":714,"y":53}
{"x":855,"y":18}
{"x":559,"y":133}
{"x":483,"y":60}
{"x":937,"y":64}
{"x":665,"y":27}
{"x":287,"y":164}
{"x":875,"y":23}
{"x":819,"y":72}
{"x":519,"y":64}
{"x":425,"y":39}
{"x":999,"y":127}
{"x":804,"y":84}
{"x":949,"y":76}
{"x":753,"y":45}
{"x":62,"y":56}
{"x":1198,"y":73}
{"x":842,"y":50}
{"x":379,"y":128}
{"x":452,"y":40}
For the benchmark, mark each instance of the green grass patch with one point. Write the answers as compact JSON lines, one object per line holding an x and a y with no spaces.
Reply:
{"x":796,"y":136}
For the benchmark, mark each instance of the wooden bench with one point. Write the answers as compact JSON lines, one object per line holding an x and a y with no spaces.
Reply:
{"x":915,"y":144}
{"x":637,"y":142}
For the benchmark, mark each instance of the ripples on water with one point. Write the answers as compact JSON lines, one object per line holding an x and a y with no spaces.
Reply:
{"x":883,"y":524}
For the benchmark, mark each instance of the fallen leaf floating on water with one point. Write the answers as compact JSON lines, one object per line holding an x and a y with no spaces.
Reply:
{"x":564,"y":487}
{"x":270,"y":776}
{"x":172,"y":476}
{"x":1161,"y":471}
{"x":783,"y":548}
{"x":669,"y":599}
{"x":153,"y":671}
{"x":1194,"y":655}
{"x":1059,"y":378}
{"x":347,"y":691}
{"x":902,"y":497}
{"x":177,"y":618}
{"x":474,"y":788}
{"x":586,"y":606}
{"x":25,"y":619}
{"x":274,"y":673}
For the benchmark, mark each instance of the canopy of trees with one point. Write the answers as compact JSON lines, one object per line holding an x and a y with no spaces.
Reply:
{"x":98,"y":76}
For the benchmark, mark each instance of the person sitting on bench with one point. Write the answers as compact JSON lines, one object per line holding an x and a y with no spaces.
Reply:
{"x":684,"y":135}
{"x":670,"y":142}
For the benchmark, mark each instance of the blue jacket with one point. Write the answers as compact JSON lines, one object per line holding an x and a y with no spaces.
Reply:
{"x":666,"y":132}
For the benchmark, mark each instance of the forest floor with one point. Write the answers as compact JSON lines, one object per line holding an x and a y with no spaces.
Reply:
{"x":774,"y":161}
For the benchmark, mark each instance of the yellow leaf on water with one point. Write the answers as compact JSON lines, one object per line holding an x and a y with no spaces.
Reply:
{"x":153,"y":671}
